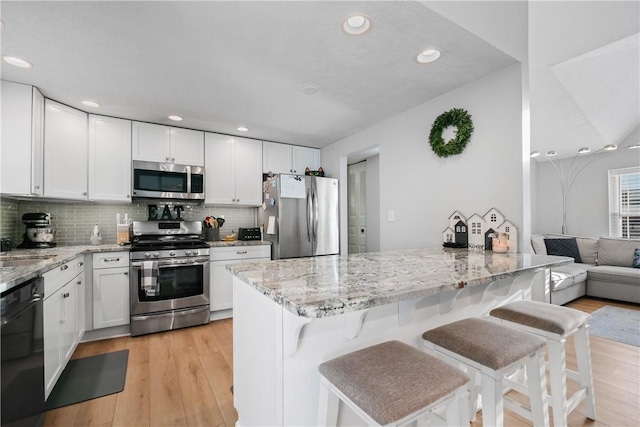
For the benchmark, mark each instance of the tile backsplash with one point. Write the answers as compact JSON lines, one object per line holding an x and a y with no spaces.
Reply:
{"x":74,"y":221}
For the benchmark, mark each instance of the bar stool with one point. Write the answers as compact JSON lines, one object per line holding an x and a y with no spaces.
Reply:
{"x":555,"y":323}
{"x":390,"y":384}
{"x":493,"y":350}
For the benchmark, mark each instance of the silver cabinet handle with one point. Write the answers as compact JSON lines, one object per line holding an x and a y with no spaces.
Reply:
{"x":79,"y":282}
{"x":80,"y":264}
{"x":126,"y":273}
{"x":84,"y":193}
{"x":173,"y":159}
{"x":64,"y":267}
{"x":166,"y":159}
{"x":65,"y":295}
{"x":111,"y":259}
{"x":241,"y":252}
{"x":37,"y":187}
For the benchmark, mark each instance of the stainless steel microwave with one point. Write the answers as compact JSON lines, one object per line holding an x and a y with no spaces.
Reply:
{"x":167,"y":181}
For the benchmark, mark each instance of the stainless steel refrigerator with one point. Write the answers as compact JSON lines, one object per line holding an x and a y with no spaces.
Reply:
{"x":300,"y":216}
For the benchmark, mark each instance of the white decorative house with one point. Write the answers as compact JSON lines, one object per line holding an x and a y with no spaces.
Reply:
{"x":477,"y":231}
{"x":458,"y":223}
{"x":511,"y":231}
{"x":476,"y":225}
{"x":448,"y":235}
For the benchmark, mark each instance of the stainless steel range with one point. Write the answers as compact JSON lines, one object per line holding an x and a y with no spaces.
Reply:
{"x":169,"y":264}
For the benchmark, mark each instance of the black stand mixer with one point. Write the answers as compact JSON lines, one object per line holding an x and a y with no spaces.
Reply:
{"x":38,"y":234}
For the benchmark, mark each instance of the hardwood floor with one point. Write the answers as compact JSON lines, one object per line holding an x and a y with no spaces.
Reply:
{"x":183,"y":378}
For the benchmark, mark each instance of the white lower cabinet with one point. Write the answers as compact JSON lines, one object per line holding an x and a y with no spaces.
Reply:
{"x":221,"y":280}
{"x":110,"y":289}
{"x":63,"y":326}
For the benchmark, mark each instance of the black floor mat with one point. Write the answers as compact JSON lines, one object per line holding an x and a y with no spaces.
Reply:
{"x":88,"y":378}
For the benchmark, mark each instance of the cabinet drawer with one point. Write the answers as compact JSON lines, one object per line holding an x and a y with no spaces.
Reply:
{"x":110,"y":260}
{"x":61,"y":275}
{"x":240,"y":252}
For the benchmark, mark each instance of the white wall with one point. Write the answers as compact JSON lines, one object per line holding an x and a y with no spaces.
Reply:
{"x":423,"y":189}
{"x":373,"y":204}
{"x":587,"y":204}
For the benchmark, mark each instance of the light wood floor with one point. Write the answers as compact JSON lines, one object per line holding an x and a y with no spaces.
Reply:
{"x":183,"y":378}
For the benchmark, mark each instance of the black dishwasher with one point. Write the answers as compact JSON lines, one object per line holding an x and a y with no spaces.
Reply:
{"x":22,"y":357}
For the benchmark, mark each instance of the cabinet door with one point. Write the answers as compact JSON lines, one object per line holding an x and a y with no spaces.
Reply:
{"x":187,"y":147}
{"x":305,"y":157}
{"x":276,"y":158}
{"x":110,"y":297}
{"x":68,"y":319}
{"x":221,"y":283}
{"x":248,"y":166}
{"x":78,"y":284}
{"x":109,"y":159}
{"x":219,"y":169}
{"x":65,"y":152}
{"x":52,"y":340}
{"x":151,"y":143}
{"x":22,"y":136}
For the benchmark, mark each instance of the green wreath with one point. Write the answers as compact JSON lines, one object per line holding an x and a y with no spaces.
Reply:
{"x":462,"y":121}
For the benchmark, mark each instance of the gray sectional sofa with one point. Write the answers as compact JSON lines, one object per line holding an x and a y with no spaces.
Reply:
{"x":605,"y":271}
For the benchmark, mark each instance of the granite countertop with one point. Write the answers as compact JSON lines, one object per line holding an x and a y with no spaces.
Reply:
{"x":331,"y":285}
{"x":13,"y":276}
{"x":222,"y":244}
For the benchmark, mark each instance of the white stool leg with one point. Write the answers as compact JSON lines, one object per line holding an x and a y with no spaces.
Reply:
{"x":328,"y":404}
{"x":558,"y":379}
{"x":492,"y":401}
{"x":455,"y":412}
{"x":537,"y":385}
{"x":583,"y":354}
{"x":472,"y":400}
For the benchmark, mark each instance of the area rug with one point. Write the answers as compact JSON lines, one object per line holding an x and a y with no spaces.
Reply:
{"x":88,"y":378}
{"x":617,"y":324}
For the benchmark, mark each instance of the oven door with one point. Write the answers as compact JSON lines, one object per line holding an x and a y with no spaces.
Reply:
{"x":181,"y":283}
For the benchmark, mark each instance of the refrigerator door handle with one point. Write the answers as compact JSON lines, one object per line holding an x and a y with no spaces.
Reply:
{"x":314,"y":203}
{"x":309,"y":220}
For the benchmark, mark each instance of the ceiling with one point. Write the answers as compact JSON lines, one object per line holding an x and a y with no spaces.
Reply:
{"x":221,"y":65}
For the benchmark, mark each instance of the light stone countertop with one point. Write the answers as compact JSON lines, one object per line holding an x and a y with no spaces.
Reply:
{"x":221,"y":244}
{"x":331,"y":285}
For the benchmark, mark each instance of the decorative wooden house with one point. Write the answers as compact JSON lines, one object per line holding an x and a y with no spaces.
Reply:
{"x":477,"y":231}
{"x":511,"y":231}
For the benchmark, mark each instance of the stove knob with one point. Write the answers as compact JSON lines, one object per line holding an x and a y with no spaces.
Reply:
{"x":156,"y":254}
{"x":188,"y":253}
{"x":172,"y":253}
{"x":147,"y":254}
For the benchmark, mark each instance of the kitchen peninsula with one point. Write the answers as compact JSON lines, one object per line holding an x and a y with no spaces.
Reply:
{"x":291,"y":315}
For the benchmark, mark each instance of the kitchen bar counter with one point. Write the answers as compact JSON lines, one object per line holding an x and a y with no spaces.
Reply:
{"x":289,"y":316}
{"x":331,"y":285}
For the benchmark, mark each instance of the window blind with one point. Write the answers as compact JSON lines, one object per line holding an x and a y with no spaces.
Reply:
{"x":624,"y":203}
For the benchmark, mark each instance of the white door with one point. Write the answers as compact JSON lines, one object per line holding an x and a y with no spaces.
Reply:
{"x":276,"y":158}
{"x":221,"y":285}
{"x":305,"y":157}
{"x":109,"y":159}
{"x":110,"y":297}
{"x":52,"y":340}
{"x":151,"y":143}
{"x":68,"y":319}
{"x":78,"y":283}
{"x":65,"y":152}
{"x":219,"y":169}
{"x":248,"y":165}
{"x":187,"y":147}
{"x":357,"y":210}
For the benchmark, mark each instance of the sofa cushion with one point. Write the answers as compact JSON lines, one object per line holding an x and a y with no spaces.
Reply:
{"x":563,"y":247}
{"x":615,"y":274}
{"x":617,"y":252}
{"x":567,"y":275}
{"x":537,"y":243}
{"x":587,"y":246}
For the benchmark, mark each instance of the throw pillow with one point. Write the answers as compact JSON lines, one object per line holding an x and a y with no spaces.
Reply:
{"x":563,"y":247}
{"x":636,"y":258}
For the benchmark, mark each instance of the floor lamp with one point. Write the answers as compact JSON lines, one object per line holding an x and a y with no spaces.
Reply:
{"x":568,"y":175}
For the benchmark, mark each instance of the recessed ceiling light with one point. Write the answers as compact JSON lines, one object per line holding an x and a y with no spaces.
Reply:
{"x":243,"y":129}
{"x":175,"y":118}
{"x":634,"y":146}
{"x":356,"y":25}
{"x":427,"y":56}
{"x":91,"y":104}
{"x":584,"y":150}
{"x":309,"y":89}
{"x":610,"y":147}
{"x":551,"y":153}
{"x":17,"y":62}
{"x":535,"y":154}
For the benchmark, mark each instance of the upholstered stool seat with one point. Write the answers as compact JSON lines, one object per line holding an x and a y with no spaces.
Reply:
{"x":492,"y":350}
{"x":555,"y":323}
{"x":390,"y":383}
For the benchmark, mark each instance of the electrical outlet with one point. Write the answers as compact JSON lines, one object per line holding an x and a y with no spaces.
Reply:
{"x":392,"y":216}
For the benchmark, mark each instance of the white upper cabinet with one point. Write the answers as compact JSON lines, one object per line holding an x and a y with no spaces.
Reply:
{"x":21,"y":150}
{"x":65,"y":152}
{"x":284,"y":158}
{"x":165,"y":144}
{"x":233,"y":168}
{"x":109,"y":159}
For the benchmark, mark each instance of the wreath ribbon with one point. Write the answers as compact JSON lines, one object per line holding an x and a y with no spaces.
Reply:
{"x":462,"y":121}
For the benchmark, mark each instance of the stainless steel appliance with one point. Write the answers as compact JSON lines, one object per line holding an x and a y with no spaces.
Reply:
{"x":167,"y":181}
{"x":38,"y":233}
{"x":169,"y":271}
{"x":22,"y":355}
{"x":301,"y":216}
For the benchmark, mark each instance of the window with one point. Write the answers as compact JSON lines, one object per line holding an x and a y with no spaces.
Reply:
{"x":493,"y":217}
{"x":506,"y":229}
{"x":475,"y":228}
{"x":624,"y":203}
